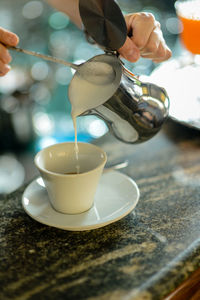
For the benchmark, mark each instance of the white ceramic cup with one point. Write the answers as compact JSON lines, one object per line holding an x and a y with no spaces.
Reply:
{"x":71,"y":193}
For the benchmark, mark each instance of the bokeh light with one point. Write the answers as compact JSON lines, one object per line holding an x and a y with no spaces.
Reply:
{"x":173,"y":25}
{"x":43,"y":124}
{"x":40,"y":93}
{"x":58,"y":20}
{"x":32,"y":9}
{"x":63,"y":75}
{"x":40,"y":70}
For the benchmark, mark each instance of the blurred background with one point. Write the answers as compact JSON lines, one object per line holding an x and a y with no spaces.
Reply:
{"x":34,"y":107}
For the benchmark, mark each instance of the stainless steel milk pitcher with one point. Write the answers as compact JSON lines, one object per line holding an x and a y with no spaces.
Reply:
{"x":136,"y":111}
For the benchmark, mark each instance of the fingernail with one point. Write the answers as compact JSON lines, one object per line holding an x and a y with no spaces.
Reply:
{"x":7,"y":68}
{"x":13,"y":39}
{"x":4,"y":70}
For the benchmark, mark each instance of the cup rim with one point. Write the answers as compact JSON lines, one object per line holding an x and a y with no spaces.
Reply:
{"x":69,"y":175}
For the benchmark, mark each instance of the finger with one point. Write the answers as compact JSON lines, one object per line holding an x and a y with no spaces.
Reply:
{"x":152,"y":44}
{"x":129,"y":51}
{"x":141,"y":25}
{"x":4,"y":55}
{"x":163,"y":53}
{"x":3,"y":69}
{"x":8,"y":37}
{"x":159,"y":54}
{"x":167,"y":56}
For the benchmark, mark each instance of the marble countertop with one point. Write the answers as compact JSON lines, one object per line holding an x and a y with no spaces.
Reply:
{"x":145,"y":255}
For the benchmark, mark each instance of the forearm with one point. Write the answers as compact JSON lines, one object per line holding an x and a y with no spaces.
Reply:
{"x":69,"y":7}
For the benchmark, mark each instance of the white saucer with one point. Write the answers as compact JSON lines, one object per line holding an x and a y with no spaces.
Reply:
{"x":116,"y":196}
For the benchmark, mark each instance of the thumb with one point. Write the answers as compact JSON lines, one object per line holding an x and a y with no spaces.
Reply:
{"x":129,"y":50}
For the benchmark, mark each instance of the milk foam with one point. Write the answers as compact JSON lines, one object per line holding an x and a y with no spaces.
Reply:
{"x":189,"y":9}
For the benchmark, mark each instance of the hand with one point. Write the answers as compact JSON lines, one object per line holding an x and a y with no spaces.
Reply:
{"x":10,"y":39}
{"x":146,"y":39}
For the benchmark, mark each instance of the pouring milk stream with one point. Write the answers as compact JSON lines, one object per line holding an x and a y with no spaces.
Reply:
{"x":85,"y":95}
